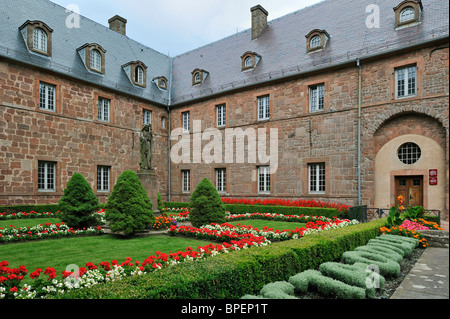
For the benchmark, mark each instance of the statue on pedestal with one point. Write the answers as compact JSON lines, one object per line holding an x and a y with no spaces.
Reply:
{"x":146,"y":147}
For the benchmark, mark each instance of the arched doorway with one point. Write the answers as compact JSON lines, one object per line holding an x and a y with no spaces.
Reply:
{"x":403,"y":166}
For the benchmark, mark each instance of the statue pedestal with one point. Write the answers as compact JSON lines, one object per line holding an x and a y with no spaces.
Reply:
{"x":149,"y":181}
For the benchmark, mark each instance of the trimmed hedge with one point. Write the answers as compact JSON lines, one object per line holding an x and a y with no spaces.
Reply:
{"x":284,"y":210}
{"x":233,"y":275}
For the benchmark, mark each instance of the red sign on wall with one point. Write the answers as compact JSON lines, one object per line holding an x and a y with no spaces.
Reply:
{"x":433,"y":177}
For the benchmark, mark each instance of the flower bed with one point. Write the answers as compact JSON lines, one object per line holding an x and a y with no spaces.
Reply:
{"x":230,"y":238}
{"x":44,"y":231}
{"x":24,"y":215}
{"x":11,"y":286}
{"x":286,"y":202}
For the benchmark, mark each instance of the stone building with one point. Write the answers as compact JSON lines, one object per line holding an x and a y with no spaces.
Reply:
{"x":343,"y":101}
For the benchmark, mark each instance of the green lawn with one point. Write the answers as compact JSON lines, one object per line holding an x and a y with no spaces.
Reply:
{"x":59,"y":253}
{"x":27,"y":222}
{"x":259,"y":223}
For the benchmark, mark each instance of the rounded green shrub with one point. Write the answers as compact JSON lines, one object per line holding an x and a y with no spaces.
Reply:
{"x":129,"y":210}
{"x":206,"y":206}
{"x":78,"y":205}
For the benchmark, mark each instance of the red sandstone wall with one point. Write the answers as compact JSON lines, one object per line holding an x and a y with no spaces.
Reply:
{"x":72,"y":136}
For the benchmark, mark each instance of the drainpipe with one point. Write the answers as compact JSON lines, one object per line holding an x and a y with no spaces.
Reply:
{"x":359,"y":130}
{"x":169,"y":125}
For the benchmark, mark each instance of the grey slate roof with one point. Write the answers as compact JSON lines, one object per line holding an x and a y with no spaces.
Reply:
{"x":119,"y":48}
{"x":282,"y":46}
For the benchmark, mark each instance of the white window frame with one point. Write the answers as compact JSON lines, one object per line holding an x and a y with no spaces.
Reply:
{"x":96,"y":60}
{"x":146,"y":117}
{"x":139,"y":75}
{"x":40,"y":39}
{"x":406,"y":82}
{"x":405,"y":17}
{"x":317,"y":98}
{"x":103,"y":178}
{"x":221,"y":115}
{"x":186,"y":117}
{"x":104,"y":109}
{"x":186,"y":181}
{"x":263,"y":107}
{"x":316,"y":178}
{"x":47,"y":96}
{"x":221,"y":180}
{"x":264,"y":180}
{"x":46,"y":176}
{"x":163,"y":122}
{"x":315,"y":42}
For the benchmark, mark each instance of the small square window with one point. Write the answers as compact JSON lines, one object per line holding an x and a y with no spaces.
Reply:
{"x":103,"y":175}
{"x":406,"y":81}
{"x":221,"y":180}
{"x":186,"y":121}
{"x":316,"y":178}
{"x":264,"y":180}
{"x":47,"y":96}
{"x":46,"y":176}
{"x":317,"y":98}
{"x":103,"y":109}
{"x":146,"y":117}
{"x":264,"y":107}
{"x":186,"y":181}
{"x":221,"y":115}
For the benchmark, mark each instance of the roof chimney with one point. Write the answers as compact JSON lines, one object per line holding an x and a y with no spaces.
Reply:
{"x":118,"y":24}
{"x":259,"y":21}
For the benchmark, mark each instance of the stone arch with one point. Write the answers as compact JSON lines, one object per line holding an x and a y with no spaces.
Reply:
{"x":428,"y":130}
{"x":382,"y":117}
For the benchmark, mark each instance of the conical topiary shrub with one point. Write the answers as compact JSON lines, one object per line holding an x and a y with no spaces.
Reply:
{"x":129,"y":210}
{"x":206,"y":206}
{"x":78,"y":205}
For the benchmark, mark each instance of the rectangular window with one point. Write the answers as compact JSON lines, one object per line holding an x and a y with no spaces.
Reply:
{"x":47,"y":96}
{"x":186,"y":181}
{"x":316,"y":178}
{"x":263,"y":107}
{"x":46,"y":176}
{"x":264,"y":179}
{"x":146,"y":117}
{"x":221,"y":180}
{"x":221,"y":111}
{"x":317,"y":98}
{"x":406,"y":81}
{"x":103,"y":173}
{"x":103,"y":109}
{"x":186,"y":121}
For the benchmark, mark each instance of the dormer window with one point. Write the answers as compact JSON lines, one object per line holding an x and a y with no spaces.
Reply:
{"x":408,"y":13}
{"x":199,"y":76}
{"x":161,"y":82}
{"x":37,"y":36}
{"x":316,"y":40}
{"x":93,"y":57}
{"x":96,"y":60}
{"x":250,"y":60}
{"x":40,"y":40}
{"x":136,"y":72}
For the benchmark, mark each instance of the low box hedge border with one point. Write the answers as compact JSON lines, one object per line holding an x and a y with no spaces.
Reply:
{"x":230,"y":276}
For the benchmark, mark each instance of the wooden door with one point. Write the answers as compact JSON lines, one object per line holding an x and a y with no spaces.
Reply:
{"x":411,"y":188}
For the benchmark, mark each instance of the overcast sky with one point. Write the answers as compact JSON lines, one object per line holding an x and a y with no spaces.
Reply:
{"x":177,"y":26}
